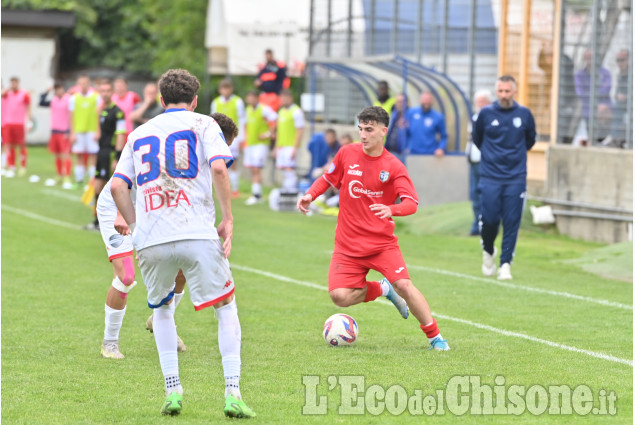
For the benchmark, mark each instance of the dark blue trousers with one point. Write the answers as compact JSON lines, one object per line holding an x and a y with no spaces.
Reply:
{"x":501,"y":202}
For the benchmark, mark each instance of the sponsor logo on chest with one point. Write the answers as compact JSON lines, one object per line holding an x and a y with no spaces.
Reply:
{"x":353,"y":171}
{"x":156,"y":198}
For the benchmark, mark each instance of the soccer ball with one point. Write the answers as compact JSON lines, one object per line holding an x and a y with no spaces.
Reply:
{"x":340,"y":329}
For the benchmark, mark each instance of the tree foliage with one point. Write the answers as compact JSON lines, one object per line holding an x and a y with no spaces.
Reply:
{"x":139,"y":36}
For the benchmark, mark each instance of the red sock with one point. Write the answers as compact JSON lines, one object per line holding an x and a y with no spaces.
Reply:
{"x":85,"y":159}
{"x":58,"y":166}
{"x":67,"y":167}
{"x":11,"y":157}
{"x":432,"y":329}
{"x":23,"y":156}
{"x":373,"y":290}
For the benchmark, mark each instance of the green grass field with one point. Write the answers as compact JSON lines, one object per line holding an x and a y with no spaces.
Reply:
{"x":557,"y":323}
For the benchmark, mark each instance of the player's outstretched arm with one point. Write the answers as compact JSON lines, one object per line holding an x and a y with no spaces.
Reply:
{"x":406,"y":207}
{"x":317,"y":188}
{"x":220,"y":179}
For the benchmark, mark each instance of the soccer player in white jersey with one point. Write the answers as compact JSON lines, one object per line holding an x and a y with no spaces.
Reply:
{"x":174,"y":159}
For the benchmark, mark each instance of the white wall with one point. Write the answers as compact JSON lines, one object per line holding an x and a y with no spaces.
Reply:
{"x":30,"y":60}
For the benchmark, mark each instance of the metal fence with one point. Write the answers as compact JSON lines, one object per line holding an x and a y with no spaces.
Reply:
{"x":457,"y":38}
{"x":596,"y":77}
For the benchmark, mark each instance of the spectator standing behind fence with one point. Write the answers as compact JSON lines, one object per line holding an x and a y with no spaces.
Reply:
{"x":272,"y":78}
{"x":622,"y":98}
{"x":482,"y":98}
{"x":323,"y":147}
{"x":424,"y":124}
{"x":397,"y":137}
{"x":84,"y":108}
{"x":602,"y":95}
{"x":383,"y":97}
{"x":59,"y":143}
{"x":504,"y":132}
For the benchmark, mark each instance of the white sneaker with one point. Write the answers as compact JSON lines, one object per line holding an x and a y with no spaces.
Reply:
{"x":489,"y":263}
{"x":252,"y":200}
{"x":10,"y":174}
{"x":110,"y":350}
{"x":505,"y":272}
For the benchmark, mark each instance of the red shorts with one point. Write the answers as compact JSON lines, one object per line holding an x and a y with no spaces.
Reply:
{"x":13,"y":134}
{"x":350,"y":272}
{"x":59,"y":143}
{"x":270,"y":99}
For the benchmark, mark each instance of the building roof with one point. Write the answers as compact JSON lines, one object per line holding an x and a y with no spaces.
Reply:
{"x":37,"y":18}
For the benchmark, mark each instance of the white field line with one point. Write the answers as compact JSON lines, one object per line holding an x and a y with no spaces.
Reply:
{"x":493,"y":281}
{"x":602,"y":356}
{"x":40,"y":217}
{"x":281,"y":278}
{"x":64,"y":195}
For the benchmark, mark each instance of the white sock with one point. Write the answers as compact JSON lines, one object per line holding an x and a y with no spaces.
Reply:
{"x":165,"y":338}
{"x":438,"y":336}
{"x":91,"y":171}
{"x":290,"y":180}
{"x":4,"y":160}
{"x":114,"y":319}
{"x":79,"y":173}
{"x":385,"y":287}
{"x":233,"y":179}
{"x":229,"y":335}
{"x":177,"y":298}
{"x":256,"y":189}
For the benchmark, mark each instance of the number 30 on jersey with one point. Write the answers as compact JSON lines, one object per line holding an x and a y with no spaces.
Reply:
{"x":151,"y":157}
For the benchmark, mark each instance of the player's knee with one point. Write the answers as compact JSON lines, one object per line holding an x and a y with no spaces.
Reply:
{"x":127,"y":275}
{"x":340,"y":299}
{"x":402,"y":285}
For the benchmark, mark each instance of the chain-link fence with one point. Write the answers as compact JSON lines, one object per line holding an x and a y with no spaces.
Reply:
{"x":596,"y":76}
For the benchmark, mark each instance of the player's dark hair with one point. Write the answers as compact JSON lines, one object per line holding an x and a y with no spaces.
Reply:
{"x":105,"y":82}
{"x":58,"y":85}
{"x":14,"y":79}
{"x":178,"y":86}
{"x":372,"y":114}
{"x":252,"y":93}
{"x":286,"y":92}
{"x":227,"y":126}
{"x":330,"y":130}
{"x":382,"y":83}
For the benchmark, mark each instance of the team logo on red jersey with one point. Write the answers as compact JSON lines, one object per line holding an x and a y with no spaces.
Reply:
{"x":331,"y":168}
{"x":383,"y":176}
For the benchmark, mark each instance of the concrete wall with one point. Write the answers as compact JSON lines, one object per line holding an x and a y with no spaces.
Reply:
{"x":439,"y":180}
{"x":601,"y":177}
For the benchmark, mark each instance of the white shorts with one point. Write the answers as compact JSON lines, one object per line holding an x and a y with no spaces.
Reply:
{"x":117,"y":245}
{"x":256,"y":155}
{"x":283,"y":158}
{"x":204,"y":265}
{"x":85,"y":143}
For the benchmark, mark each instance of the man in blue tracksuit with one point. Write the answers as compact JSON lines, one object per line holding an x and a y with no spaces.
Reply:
{"x":424,"y":123}
{"x":504,"y":132}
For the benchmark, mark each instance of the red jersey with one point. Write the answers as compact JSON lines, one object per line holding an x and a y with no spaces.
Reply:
{"x":364,"y":180}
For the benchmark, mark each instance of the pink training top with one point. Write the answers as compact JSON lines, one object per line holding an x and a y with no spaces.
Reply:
{"x":60,"y":115}
{"x":16,"y":103}
{"x":4,"y":107}
{"x":127,"y":103}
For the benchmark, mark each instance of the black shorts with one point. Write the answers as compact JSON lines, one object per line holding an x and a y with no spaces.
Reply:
{"x":104,"y":161}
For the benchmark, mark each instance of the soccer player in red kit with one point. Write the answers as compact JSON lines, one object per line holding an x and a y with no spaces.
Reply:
{"x":370,"y":180}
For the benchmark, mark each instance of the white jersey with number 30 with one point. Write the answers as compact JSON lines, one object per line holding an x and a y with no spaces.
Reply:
{"x":169,"y":158}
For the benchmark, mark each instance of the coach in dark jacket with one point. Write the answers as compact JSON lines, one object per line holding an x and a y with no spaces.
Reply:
{"x":504,"y":132}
